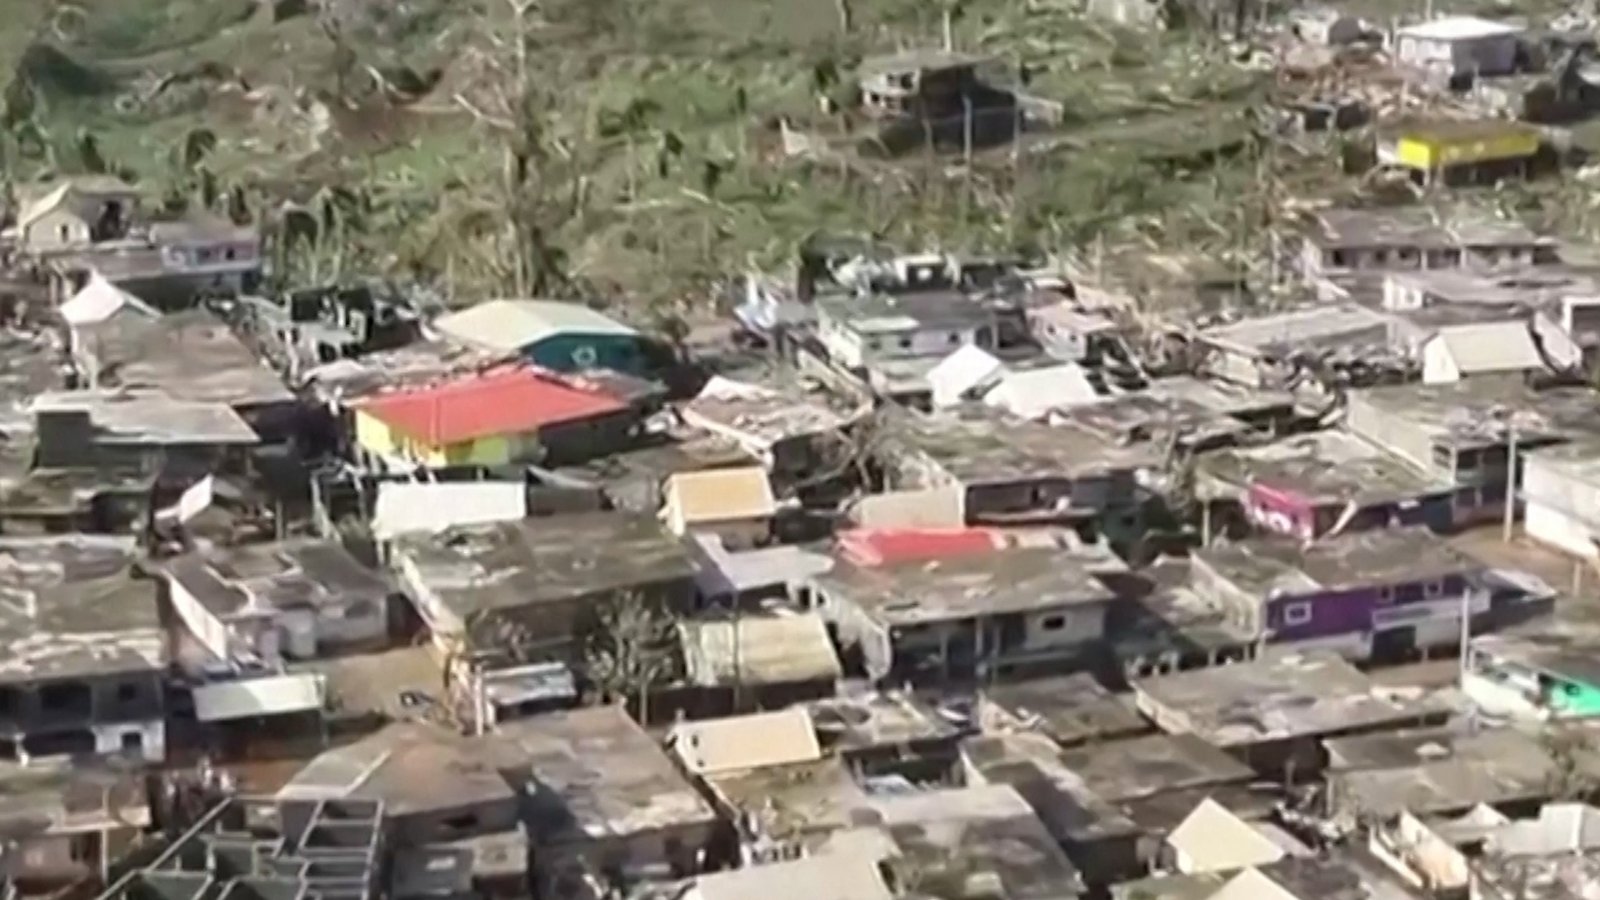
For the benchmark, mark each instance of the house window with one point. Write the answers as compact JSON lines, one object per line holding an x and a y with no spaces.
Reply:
{"x":874,"y":344}
{"x":953,"y":338}
{"x":1053,"y":623}
{"x":1297,"y":613}
{"x":1386,"y":595}
{"x":905,"y":343}
{"x":1433,"y":589}
{"x":1339,"y":259}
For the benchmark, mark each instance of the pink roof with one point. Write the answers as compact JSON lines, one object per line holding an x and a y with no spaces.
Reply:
{"x":887,"y":546}
{"x":508,"y":400}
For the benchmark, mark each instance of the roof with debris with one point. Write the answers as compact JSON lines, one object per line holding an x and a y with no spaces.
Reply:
{"x":957,"y":841}
{"x":1555,"y":877}
{"x":1265,"y":567}
{"x":473,"y":569}
{"x":1480,"y":414}
{"x":891,"y":314}
{"x":864,"y":723}
{"x":1136,"y":767}
{"x":1278,"y":698}
{"x":978,"y":448}
{"x":789,"y":801}
{"x":304,"y":573}
{"x":759,"y":417}
{"x":1005,"y":581}
{"x":599,"y":775}
{"x":71,"y":606}
{"x":1324,"y":467}
{"x":190,"y":355}
{"x":1070,"y":709}
{"x":757,"y":650}
{"x":506,"y":401}
{"x":1563,"y":652}
{"x":418,"y":363}
{"x":513,"y":325}
{"x":1437,"y":771}
{"x":149,"y":417}
{"x":1285,"y":333}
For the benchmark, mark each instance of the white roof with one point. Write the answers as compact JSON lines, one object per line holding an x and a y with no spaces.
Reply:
{"x":1032,"y":393}
{"x":961,"y":372}
{"x":1216,"y":840}
{"x":1458,"y":28}
{"x":423,"y":506}
{"x":1490,"y":347}
{"x":511,"y":325}
{"x":100,"y":300}
{"x":755,"y":741}
{"x":274,"y":695}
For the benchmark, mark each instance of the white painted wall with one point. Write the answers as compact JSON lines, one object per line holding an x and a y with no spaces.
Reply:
{"x":210,"y":631}
{"x":1438,"y":365}
{"x":1556,"y":505}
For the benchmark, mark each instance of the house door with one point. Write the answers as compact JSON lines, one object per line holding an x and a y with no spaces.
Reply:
{"x":1394,"y":645}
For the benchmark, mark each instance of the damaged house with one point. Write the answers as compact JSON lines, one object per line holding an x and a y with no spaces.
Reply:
{"x":1369,"y":595}
{"x":962,"y":617}
{"x":1010,"y":472}
{"x":1462,"y":432}
{"x":892,"y":341}
{"x":1308,"y":485}
{"x":1343,"y":242}
{"x":82,"y":672}
{"x":501,"y":593}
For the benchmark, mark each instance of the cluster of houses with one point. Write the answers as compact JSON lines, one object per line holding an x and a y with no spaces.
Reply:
{"x":938,"y":583}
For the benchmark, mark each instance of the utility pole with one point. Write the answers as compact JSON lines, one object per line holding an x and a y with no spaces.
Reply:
{"x":1511,"y":482}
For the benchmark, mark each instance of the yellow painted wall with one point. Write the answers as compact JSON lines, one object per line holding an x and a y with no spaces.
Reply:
{"x":1424,"y":152}
{"x":378,"y":438}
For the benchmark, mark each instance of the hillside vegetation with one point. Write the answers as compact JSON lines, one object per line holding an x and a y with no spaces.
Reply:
{"x":651,"y":127}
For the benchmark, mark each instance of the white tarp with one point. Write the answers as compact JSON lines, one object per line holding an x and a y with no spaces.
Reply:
{"x":961,"y":373}
{"x":404,"y":506}
{"x":100,"y":300}
{"x":196,"y":499}
{"x":275,"y":695}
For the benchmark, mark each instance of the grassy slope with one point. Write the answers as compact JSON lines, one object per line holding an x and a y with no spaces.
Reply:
{"x":646,"y":234}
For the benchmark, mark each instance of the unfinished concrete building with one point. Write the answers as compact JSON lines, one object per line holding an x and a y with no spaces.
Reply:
{"x":84,"y":653}
{"x":254,"y":849}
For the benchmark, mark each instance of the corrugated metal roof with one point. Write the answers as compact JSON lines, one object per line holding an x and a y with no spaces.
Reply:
{"x":274,"y":695}
{"x":1491,"y":347}
{"x":758,"y":650}
{"x":512,"y":400}
{"x":511,"y":325}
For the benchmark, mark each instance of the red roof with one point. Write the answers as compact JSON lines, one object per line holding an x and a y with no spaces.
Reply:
{"x":511,"y":400}
{"x":888,"y":546}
